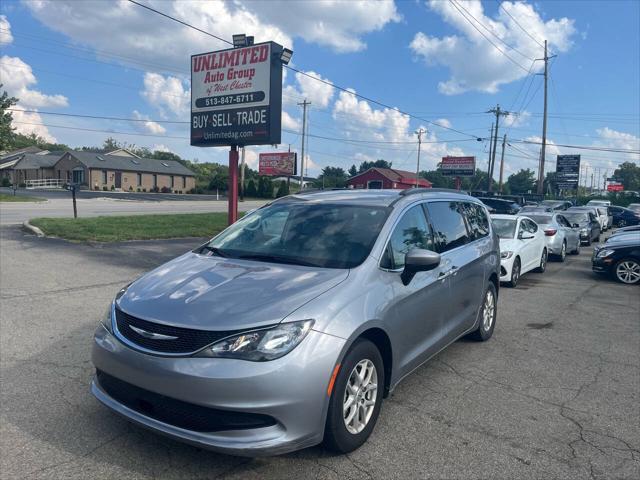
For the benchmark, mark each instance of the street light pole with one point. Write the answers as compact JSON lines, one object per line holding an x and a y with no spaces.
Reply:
{"x":419,"y":132}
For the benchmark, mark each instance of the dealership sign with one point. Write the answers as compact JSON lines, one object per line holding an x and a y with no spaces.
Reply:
{"x":615,"y":187}
{"x":568,"y":171}
{"x":236,"y":96}
{"x":277,"y":164}
{"x":458,"y":166}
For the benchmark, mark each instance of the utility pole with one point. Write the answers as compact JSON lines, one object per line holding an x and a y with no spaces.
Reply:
{"x":489,"y":161}
{"x":242,"y":164}
{"x":504,"y":141}
{"x":544,"y":122}
{"x":304,"y":129}
{"x":498,"y":113}
{"x":419,"y":132}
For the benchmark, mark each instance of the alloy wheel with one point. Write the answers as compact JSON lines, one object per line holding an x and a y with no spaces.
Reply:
{"x":360,"y":396}
{"x":628,"y":271}
{"x":563,"y":252}
{"x":515,"y":273}
{"x":488,"y":311}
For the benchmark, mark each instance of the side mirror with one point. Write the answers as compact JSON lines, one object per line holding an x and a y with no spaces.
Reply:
{"x":525,"y":236}
{"x":418,"y":260}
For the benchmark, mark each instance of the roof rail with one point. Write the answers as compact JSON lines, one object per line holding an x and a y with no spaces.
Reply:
{"x":413,"y":191}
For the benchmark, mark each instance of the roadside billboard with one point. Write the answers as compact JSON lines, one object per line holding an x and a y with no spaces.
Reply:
{"x":567,"y":171}
{"x":615,"y":187}
{"x":458,"y":166}
{"x":236,"y":96}
{"x":277,"y":164}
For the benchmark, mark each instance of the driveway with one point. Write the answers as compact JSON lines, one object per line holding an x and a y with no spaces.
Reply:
{"x":554,"y":393}
{"x":18,"y":212}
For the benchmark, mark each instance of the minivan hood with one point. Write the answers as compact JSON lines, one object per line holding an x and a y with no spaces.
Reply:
{"x":214,"y":293}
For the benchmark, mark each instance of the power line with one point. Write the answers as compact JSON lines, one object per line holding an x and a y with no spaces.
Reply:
{"x":487,"y":38}
{"x":518,"y":24}
{"x":490,"y":30}
{"x":332,"y":85}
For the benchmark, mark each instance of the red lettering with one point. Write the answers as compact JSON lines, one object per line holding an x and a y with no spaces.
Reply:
{"x":264,"y":53}
{"x":254,"y":54}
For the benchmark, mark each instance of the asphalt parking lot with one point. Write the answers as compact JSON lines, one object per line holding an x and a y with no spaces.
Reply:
{"x":554,"y":394}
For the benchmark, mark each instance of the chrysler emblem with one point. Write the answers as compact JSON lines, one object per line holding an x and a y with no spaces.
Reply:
{"x":151,"y":335}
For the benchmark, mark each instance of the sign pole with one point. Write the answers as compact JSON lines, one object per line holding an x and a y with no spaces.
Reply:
{"x":233,"y":185}
{"x":458,"y":183}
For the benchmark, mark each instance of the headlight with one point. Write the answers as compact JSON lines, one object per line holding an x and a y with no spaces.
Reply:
{"x":107,"y":318}
{"x":261,"y":345}
{"x":583,"y":231}
{"x":506,"y":254}
{"x":605,"y":253}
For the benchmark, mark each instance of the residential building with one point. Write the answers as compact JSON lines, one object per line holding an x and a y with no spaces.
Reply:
{"x":388,"y":178}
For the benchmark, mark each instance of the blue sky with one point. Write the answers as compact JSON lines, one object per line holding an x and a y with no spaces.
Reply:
{"x":426,"y":58}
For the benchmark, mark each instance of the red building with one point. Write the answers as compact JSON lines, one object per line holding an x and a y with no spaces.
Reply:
{"x":387,"y":178}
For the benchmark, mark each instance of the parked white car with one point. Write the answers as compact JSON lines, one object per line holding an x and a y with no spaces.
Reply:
{"x":599,"y":203}
{"x":601,"y":214}
{"x":523,"y":247}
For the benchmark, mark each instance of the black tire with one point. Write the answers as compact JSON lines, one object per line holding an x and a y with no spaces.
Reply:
{"x":563,"y":253}
{"x":543,"y":262}
{"x":635,"y":264}
{"x":482,"y":334}
{"x":515,"y":273}
{"x":589,"y":241}
{"x":336,"y":436}
{"x":576,"y":251}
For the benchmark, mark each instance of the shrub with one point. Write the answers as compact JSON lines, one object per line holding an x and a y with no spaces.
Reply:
{"x":154,"y":189}
{"x":105,"y":189}
{"x":251,"y":190}
{"x":165,"y":190}
{"x":138,"y":189}
{"x":144,"y":190}
{"x":283,"y":189}
{"x":113,"y":187}
{"x":22,"y":185}
{"x":130,"y":188}
{"x":6,"y":182}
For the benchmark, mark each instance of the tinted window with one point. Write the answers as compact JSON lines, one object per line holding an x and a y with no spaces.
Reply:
{"x":574,"y":217}
{"x":477,"y":219}
{"x":411,"y":231}
{"x":541,"y":219}
{"x":530,"y":226}
{"x":323,"y":235}
{"x":449,"y":226}
{"x":504,"y":227}
{"x":563,"y":221}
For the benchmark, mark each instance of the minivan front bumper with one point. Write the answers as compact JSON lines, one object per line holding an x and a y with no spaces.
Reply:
{"x":292,"y":390}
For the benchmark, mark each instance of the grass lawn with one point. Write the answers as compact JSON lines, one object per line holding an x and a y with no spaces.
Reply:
{"x":133,"y":227}
{"x":4,"y":197}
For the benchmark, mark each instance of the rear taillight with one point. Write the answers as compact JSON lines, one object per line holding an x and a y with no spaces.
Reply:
{"x":550,"y":232}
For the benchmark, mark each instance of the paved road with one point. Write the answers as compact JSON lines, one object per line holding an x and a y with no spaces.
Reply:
{"x":554,"y":394}
{"x":18,"y":212}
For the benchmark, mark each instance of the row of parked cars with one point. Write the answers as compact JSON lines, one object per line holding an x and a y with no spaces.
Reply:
{"x":291,"y":326}
{"x":554,"y":228}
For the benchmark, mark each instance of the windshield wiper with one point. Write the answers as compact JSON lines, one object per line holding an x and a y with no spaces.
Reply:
{"x":215,"y":250}
{"x":277,"y":259}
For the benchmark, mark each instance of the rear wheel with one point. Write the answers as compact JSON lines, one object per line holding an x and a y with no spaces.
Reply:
{"x":543,"y":262}
{"x":563,"y":252}
{"x":576,"y":251}
{"x":487,"y":315}
{"x":515,"y":273}
{"x":356,"y":398}
{"x":627,"y":271}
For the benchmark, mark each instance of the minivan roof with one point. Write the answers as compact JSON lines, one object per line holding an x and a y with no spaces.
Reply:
{"x":375,"y":197}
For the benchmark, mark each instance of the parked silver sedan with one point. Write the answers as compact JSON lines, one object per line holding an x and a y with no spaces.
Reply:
{"x":561,"y":235}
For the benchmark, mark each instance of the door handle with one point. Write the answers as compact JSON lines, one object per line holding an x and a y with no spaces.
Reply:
{"x":443,"y":275}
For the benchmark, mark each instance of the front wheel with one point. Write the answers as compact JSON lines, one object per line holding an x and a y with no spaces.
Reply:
{"x":627,"y":271}
{"x":356,"y":398}
{"x":488,"y":312}
{"x":563,"y":252}
{"x":515,"y":273}
{"x":543,"y":262}
{"x":576,"y":251}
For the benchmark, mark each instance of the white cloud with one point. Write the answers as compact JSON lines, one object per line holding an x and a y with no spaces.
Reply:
{"x":460,"y":53}
{"x":30,"y":122}
{"x":318,"y":93}
{"x":290,"y":123}
{"x":516,"y":120}
{"x":160,"y":147}
{"x":615,"y":139}
{"x":17,"y":78}
{"x":166,"y":93}
{"x":149,"y":126}
{"x":444,"y":122}
{"x":5,"y":31}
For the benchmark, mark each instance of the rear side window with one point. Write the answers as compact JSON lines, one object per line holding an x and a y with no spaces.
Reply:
{"x":563,"y":221}
{"x":449,"y":228}
{"x":476,"y":219}
{"x":412,"y":231}
{"x":529,"y":226}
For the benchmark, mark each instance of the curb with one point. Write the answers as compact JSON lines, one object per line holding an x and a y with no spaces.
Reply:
{"x":32,"y":229}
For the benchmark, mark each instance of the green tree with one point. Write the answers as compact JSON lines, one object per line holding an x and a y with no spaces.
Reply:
{"x":283,"y":189}
{"x":628,"y":173}
{"x":251,"y":190}
{"x":437,"y":179}
{"x":366,"y":165}
{"x":265,"y":187}
{"x":6,"y":117}
{"x":332,"y":177}
{"x":522,"y":181}
{"x":353,"y":171}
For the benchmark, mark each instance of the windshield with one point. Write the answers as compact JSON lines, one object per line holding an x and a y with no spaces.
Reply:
{"x":576,"y":217}
{"x":540,"y":219}
{"x":504,"y":227}
{"x":303,"y":233}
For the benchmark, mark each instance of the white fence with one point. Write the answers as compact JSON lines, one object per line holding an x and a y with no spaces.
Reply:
{"x":44,"y":183}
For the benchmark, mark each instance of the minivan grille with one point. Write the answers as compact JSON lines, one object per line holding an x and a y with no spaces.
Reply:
{"x":178,"y":413}
{"x":187,"y":340}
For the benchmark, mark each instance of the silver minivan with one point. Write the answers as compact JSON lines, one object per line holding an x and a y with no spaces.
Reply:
{"x":291,"y":326}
